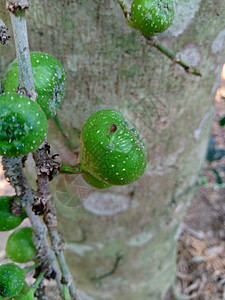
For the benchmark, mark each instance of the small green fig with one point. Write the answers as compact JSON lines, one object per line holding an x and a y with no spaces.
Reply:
{"x":152,"y":16}
{"x":23,"y":125}
{"x":20,"y":247}
{"x":12,"y":279}
{"x":49,"y":81}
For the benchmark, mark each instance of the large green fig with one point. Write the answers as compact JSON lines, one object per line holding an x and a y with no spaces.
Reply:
{"x":112,"y":152}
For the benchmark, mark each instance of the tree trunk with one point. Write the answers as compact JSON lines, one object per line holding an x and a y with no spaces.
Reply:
{"x":121,"y":242}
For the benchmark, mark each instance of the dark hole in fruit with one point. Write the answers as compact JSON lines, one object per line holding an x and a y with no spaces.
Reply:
{"x":113,"y":128}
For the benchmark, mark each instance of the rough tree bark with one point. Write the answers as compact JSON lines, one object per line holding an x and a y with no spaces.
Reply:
{"x":121,"y":244}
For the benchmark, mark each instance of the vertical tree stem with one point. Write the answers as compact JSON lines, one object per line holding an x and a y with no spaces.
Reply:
{"x":18,"y":181}
{"x":19,"y":27}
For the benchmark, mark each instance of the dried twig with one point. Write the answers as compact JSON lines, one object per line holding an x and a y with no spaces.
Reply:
{"x":4,"y":36}
{"x":45,"y":166}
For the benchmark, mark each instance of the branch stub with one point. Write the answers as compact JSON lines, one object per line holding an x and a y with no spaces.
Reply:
{"x":17,"y":5}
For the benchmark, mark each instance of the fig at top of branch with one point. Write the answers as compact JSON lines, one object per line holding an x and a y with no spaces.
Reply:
{"x":152,"y":16}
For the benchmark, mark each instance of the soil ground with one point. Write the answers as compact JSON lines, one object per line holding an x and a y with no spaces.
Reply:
{"x":201,"y":248}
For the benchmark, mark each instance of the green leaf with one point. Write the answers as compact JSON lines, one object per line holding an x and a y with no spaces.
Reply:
{"x":222,"y":122}
{"x":204,"y":180}
{"x":219,"y":180}
{"x":214,"y":154}
{"x":211,"y":149}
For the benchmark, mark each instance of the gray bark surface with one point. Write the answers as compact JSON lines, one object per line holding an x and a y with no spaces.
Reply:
{"x":131,"y":230}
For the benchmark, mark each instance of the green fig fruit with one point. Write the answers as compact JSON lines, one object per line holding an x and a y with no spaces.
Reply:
{"x":112,"y":152}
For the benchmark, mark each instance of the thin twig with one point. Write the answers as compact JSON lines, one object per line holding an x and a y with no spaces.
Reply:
{"x":40,"y":291}
{"x":68,"y":169}
{"x":37,"y":281}
{"x":174,"y":56}
{"x":71,"y":143}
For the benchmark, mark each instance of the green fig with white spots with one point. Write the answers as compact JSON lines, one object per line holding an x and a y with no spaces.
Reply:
{"x":112,"y":152}
{"x":12,"y":279}
{"x":152,"y":16}
{"x":23,"y":125}
{"x":49,"y":81}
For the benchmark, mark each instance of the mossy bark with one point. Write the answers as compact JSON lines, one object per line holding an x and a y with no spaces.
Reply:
{"x":121,"y":242}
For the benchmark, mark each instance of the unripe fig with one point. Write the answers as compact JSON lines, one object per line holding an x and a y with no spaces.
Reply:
{"x":23,"y":125}
{"x":152,"y":16}
{"x":112,"y":152}
{"x":49,"y":81}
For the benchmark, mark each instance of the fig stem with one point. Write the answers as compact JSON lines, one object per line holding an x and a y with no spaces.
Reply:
{"x":30,"y":268}
{"x":68,"y":169}
{"x":38,"y":281}
{"x":66,"y":292}
{"x":126,"y":11}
